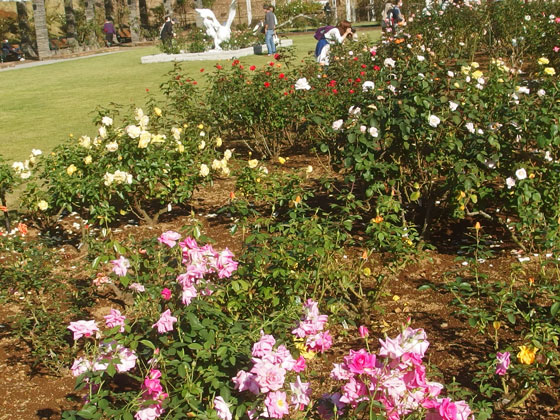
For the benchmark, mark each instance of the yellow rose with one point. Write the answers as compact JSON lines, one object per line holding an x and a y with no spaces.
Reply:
{"x":71,"y":169}
{"x":549,"y":71}
{"x":457,"y":85}
{"x":253,"y":163}
{"x":309,"y":169}
{"x":543,"y":60}
{"x":527,"y":355}
{"x":202,"y":145}
{"x":200,"y":126}
{"x":204,"y":170}
{"x":475,"y":65}
{"x":42,"y":205}
{"x":477,"y":74}
{"x":367,"y":271}
{"x":180,"y":148}
{"x":88,"y":159}
{"x":218,"y":142}
{"x":157,"y":111}
{"x":281,"y":160}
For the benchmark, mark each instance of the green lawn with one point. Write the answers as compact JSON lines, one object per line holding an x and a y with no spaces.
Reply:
{"x":41,"y":106}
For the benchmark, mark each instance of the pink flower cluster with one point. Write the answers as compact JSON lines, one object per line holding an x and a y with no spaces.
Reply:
{"x":396,"y":377}
{"x":201,"y":261}
{"x":311,"y":328}
{"x":267,"y":377}
{"x":107,"y":352}
{"x":152,"y":390}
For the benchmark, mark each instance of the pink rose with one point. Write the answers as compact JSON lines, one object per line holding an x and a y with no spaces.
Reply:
{"x":165,"y":322}
{"x":245,"y":381}
{"x":120,"y":266}
{"x":503,"y":363}
{"x":149,"y":413}
{"x":268,"y":376}
{"x":360,"y":361}
{"x":222,"y":409}
{"x":276,"y":404}
{"x":264,"y":345}
{"x":83,"y":328}
{"x":114,"y":319}
{"x":166,"y":294}
{"x":363,"y":330}
{"x":300,"y":365}
{"x":169,"y":238}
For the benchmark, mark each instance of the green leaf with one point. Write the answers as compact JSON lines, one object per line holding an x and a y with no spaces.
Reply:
{"x":148,"y":344}
{"x":415,"y":196}
{"x":555,"y":308}
{"x":425,"y":287}
{"x":511,"y":318}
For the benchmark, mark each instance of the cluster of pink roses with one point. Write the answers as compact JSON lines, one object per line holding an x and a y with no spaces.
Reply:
{"x":199,"y":261}
{"x":311,"y":328}
{"x":396,"y":377}
{"x":107,"y":352}
{"x":152,"y":391}
{"x":268,"y":376}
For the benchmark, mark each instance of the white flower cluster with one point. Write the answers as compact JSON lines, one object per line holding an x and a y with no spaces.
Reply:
{"x":118,"y":177}
{"x":23,"y":169}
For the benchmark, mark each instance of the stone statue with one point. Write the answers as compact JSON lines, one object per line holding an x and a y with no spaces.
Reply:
{"x":218,"y":32}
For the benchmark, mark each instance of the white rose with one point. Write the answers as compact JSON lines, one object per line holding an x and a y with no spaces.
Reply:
{"x":112,"y":147}
{"x":144,"y":121}
{"x":102,"y":132}
{"x":354,"y":110}
{"x":420,"y":58}
{"x":176,"y":133}
{"x":202,"y":145}
{"x":42,"y":205}
{"x":145,"y":138}
{"x":374,"y":132}
{"x":133,"y":131}
{"x":85,"y":142}
{"x":521,"y":174}
{"x":253,"y":163}
{"x":368,"y":85}
{"x":108,"y":179}
{"x":470,"y":127}
{"x":510,"y":182}
{"x":433,"y":121}
{"x":36,"y":152}
{"x":204,"y":170}
{"x":138,"y":114}
{"x":337,"y":124}
{"x":107,"y":121}
{"x":389,"y":62}
{"x":453,"y":105}
{"x":227,"y":154}
{"x":541,"y":92}
{"x":302,"y":84}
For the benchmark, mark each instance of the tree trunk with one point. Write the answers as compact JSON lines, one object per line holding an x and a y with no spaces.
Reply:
{"x":26,"y":46}
{"x":134,"y":20}
{"x":90,"y":19}
{"x":168,"y":7}
{"x":70,"y":22}
{"x":41,"y":31}
{"x":108,"y":8}
{"x":144,"y":17}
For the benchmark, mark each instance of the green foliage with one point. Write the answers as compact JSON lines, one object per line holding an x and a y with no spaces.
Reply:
{"x":144,"y":166}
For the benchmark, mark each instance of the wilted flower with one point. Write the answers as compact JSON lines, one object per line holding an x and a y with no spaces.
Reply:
{"x":503,"y":363}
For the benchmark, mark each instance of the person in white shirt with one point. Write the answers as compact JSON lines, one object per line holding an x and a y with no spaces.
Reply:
{"x":336,"y":35}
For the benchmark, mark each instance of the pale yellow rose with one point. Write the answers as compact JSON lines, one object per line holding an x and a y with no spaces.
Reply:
{"x":281,"y":160}
{"x":218,"y":142}
{"x":88,"y":159}
{"x":157,"y":111}
{"x":549,"y":71}
{"x":204,"y":170}
{"x":180,"y":148}
{"x":477,"y":74}
{"x":543,"y":61}
{"x":309,"y":169}
{"x":202,"y":145}
{"x":200,"y":126}
{"x":85,"y":141}
{"x":253,"y":163}
{"x":42,"y":205}
{"x":158,"y":138}
{"x":71,"y":169}
{"x":145,"y":139}
{"x":227,"y":154}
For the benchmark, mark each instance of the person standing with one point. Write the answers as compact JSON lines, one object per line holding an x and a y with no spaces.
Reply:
{"x":166,"y":33}
{"x":109,"y":30}
{"x":269,"y":29}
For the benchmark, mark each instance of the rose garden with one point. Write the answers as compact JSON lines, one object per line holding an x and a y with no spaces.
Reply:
{"x":268,"y":243}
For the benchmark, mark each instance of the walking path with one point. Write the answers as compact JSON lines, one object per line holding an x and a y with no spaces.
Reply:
{"x":16,"y":65}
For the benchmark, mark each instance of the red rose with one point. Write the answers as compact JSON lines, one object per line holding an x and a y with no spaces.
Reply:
{"x":281,"y":75}
{"x":266,"y":84}
{"x":252,"y":68}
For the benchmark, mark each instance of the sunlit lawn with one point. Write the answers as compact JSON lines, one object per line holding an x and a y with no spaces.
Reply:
{"x":41,"y":106}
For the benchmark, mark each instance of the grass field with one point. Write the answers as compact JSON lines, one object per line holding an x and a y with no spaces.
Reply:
{"x":41,"y":106}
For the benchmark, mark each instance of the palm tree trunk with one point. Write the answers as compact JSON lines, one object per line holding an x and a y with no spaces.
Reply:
{"x":134,"y":20}
{"x":41,"y":31}
{"x":26,"y":46}
{"x":70,"y":22}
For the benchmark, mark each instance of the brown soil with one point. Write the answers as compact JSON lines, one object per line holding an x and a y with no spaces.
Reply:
{"x":30,"y":393}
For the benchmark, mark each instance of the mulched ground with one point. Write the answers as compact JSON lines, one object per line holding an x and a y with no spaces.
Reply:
{"x":455,"y":349}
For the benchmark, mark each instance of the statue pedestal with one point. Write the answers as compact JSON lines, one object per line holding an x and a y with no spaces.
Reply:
{"x":211,"y":55}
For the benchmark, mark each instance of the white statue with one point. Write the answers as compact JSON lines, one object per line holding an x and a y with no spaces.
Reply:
{"x":218,"y":32}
